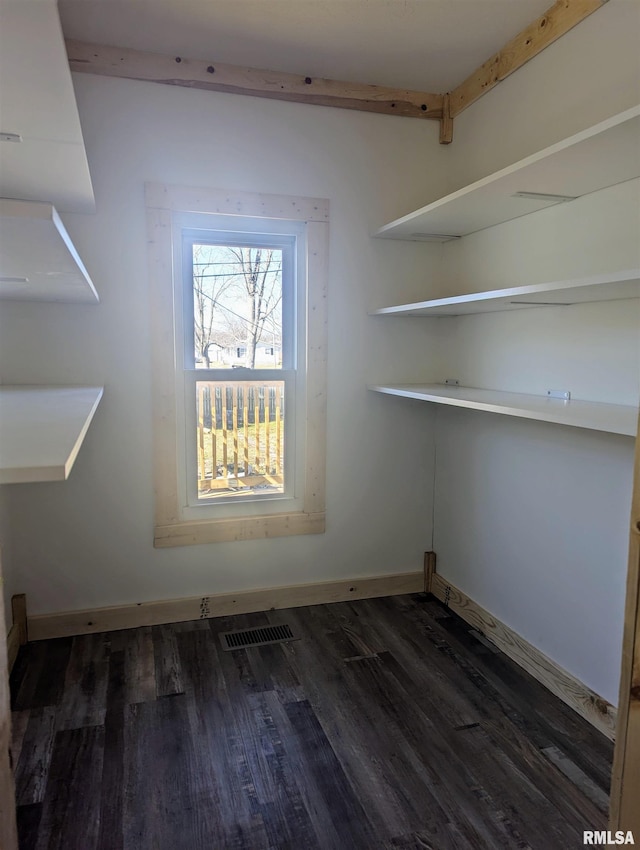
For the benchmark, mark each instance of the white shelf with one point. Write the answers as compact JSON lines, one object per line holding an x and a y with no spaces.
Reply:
{"x":38,"y":261}
{"x":605,"y":287}
{"x":610,"y":418}
{"x":42,"y":429}
{"x":39,"y":105}
{"x":601,"y":156}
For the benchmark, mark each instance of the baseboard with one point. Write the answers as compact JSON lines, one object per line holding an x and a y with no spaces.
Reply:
{"x":570,"y":690}
{"x":43,"y":626}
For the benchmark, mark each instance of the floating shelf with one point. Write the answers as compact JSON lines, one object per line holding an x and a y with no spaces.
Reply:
{"x":42,"y":429}
{"x":601,"y":156}
{"x":597,"y":416}
{"x":39,"y":105}
{"x":605,"y":287}
{"x":38,"y":261}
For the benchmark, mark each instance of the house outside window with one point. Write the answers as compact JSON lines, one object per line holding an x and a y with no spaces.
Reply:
{"x":238,"y":289}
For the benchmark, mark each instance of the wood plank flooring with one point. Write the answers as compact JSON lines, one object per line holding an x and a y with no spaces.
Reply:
{"x":388,"y":724}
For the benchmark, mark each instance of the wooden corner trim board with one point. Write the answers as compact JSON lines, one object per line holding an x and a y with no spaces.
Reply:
{"x":110,"y":61}
{"x":554,"y":23}
{"x":624,"y":812}
{"x":570,"y":690}
{"x":17,"y":635}
{"x":429,"y":570}
{"x":19,"y":615}
{"x":446,"y":122}
{"x":44,"y":626}
{"x":8,"y":829}
{"x":13,"y":645}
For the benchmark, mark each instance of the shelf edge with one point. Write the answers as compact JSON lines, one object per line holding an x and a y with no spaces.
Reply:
{"x":484,"y":296}
{"x":457,"y":399}
{"x":57,"y":471}
{"x":386,"y":230}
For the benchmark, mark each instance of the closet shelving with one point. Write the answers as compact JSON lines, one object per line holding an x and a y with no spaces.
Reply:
{"x":604,"y":287}
{"x":601,"y":156}
{"x":41,"y":427}
{"x":597,"y":416}
{"x":38,"y":261}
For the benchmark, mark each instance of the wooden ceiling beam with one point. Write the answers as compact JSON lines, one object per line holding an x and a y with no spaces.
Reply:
{"x":234,"y":79}
{"x":554,"y":23}
{"x":213,"y":76}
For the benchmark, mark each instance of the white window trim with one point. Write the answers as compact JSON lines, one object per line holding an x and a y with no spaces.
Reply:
{"x":294,"y":318}
{"x":162,"y":202}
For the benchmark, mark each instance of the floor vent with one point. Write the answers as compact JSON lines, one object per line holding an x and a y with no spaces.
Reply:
{"x":256,"y":637}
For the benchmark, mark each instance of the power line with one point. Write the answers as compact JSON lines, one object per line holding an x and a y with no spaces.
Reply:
{"x":234,"y":274}
{"x":244,"y":319}
{"x":221,"y":263}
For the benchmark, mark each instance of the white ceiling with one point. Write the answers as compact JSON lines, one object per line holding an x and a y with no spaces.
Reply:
{"x":426,"y":45}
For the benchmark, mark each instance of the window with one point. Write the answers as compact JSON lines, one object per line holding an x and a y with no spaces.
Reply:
{"x":241,"y":285}
{"x":238,"y":291}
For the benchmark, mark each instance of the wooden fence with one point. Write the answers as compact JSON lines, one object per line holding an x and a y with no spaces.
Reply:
{"x":240,"y":439}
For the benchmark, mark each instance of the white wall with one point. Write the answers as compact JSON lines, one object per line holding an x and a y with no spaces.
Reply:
{"x":531,"y":520}
{"x":593,"y":350}
{"x":589,"y":74}
{"x":88,"y":542}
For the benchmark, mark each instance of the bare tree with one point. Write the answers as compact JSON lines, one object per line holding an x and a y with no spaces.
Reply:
{"x":208,"y":288}
{"x":260,"y":275}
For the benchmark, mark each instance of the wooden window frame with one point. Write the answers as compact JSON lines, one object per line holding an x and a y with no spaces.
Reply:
{"x":162,"y":203}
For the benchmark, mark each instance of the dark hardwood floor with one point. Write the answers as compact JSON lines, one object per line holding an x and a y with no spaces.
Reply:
{"x":388,"y":724}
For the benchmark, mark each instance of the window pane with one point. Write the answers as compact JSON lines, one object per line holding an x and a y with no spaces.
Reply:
{"x":237,"y":301}
{"x":240,"y":439}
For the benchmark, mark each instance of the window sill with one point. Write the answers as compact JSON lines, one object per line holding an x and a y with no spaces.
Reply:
{"x":191,"y":533}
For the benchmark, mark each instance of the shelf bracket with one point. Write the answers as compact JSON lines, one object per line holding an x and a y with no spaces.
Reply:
{"x":446,"y":122}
